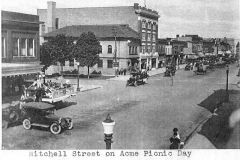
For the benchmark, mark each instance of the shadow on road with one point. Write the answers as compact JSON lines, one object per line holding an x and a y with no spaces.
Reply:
{"x":217,"y":129}
{"x":65,"y":104}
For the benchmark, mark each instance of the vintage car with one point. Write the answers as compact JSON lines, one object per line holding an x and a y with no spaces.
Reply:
{"x":42,"y":114}
{"x":201,"y":70}
{"x":188,"y":67}
{"x":137,"y":78}
{"x":11,"y":113}
{"x":170,"y":71}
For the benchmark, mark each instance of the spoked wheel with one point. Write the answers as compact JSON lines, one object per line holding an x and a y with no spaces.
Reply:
{"x":14,"y":117}
{"x":27,"y":124}
{"x":5,"y":124}
{"x":55,"y":128}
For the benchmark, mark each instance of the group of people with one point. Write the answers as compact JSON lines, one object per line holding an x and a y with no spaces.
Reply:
{"x":121,"y":71}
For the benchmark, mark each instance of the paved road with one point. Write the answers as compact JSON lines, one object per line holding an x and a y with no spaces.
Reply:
{"x":144,"y":115}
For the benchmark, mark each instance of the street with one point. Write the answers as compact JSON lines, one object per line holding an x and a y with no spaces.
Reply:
{"x":145,"y":115}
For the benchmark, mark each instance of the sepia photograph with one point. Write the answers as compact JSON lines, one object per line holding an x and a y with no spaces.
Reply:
{"x":140,"y":78}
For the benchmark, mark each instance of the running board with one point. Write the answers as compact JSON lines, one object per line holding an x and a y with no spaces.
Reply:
{"x":40,"y":125}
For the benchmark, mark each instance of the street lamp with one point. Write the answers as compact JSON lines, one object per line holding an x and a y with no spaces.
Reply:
{"x":78,"y":89}
{"x":108,"y":125}
{"x":115,"y":50}
{"x":227,"y":94}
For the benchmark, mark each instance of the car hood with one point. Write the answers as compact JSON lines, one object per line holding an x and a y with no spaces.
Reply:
{"x":54,"y":117}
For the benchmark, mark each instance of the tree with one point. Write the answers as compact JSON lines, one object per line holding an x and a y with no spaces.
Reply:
{"x":57,"y":49}
{"x":87,"y":49}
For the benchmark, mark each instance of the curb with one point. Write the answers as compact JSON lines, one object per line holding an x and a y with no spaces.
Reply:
{"x":197,"y":129}
{"x":88,"y":89}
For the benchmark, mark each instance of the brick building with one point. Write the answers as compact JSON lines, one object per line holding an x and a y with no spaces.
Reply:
{"x":141,"y":19}
{"x":20,"y":50}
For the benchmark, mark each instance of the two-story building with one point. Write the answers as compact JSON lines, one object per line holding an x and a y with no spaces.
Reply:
{"x":128,"y":44}
{"x":141,"y":19}
{"x":20,"y":50}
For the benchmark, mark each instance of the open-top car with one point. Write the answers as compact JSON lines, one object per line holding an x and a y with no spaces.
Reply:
{"x":137,"y":78}
{"x":42,"y":114}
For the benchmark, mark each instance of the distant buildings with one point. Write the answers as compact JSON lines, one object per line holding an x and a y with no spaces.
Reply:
{"x":142,"y":20}
{"x":20,"y":50}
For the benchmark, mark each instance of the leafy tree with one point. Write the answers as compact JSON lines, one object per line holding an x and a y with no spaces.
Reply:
{"x":57,"y":49}
{"x":87,"y":49}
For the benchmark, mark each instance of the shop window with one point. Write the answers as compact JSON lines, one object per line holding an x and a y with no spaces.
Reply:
{"x":31,"y":47}
{"x":3,"y":47}
{"x":109,"y":63}
{"x":15,"y":47}
{"x":100,"y":63}
{"x":71,"y":62}
{"x":109,"y":49}
{"x":23,"y":47}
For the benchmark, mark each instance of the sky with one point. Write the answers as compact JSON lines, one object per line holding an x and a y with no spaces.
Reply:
{"x":206,"y":18}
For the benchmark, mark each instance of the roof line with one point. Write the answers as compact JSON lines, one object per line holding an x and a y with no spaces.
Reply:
{"x":91,"y":7}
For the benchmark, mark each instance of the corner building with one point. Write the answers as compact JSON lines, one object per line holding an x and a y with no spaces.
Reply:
{"x":141,"y":19}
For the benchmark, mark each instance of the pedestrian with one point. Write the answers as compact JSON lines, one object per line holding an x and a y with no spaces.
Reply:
{"x":175,"y":140}
{"x":124,"y":71}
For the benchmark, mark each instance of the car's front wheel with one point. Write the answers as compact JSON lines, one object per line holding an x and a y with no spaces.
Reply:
{"x":55,"y":128}
{"x":27,"y":124}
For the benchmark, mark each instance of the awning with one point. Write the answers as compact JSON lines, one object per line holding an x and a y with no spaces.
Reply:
{"x":11,"y":69}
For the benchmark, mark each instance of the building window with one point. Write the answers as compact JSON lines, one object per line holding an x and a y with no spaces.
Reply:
{"x":154,"y":37}
{"x":43,"y":29}
{"x":149,"y":36}
{"x":23,"y":47}
{"x":143,"y":49}
{"x":143,"y":36}
{"x":109,"y":63}
{"x":71,"y":62}
{"x":148,"y":49}
{"x":154,"y":26}
{"x":3,"y":47}
{"x":135,"y":50}
{"x":100,"y":49}
{"x":130,"y":49}
{"x":31,"y":47}
{"x":149,"y":25}
{"x":15,"y":47}
{"x":153,"y":49}
{"x":109,"y":49}
{"x":100,"y":63}
{"x":143,"y":24}
{"x":56,"y":23}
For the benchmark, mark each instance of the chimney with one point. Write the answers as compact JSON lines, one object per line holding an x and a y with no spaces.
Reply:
{"x":51,"y":9}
